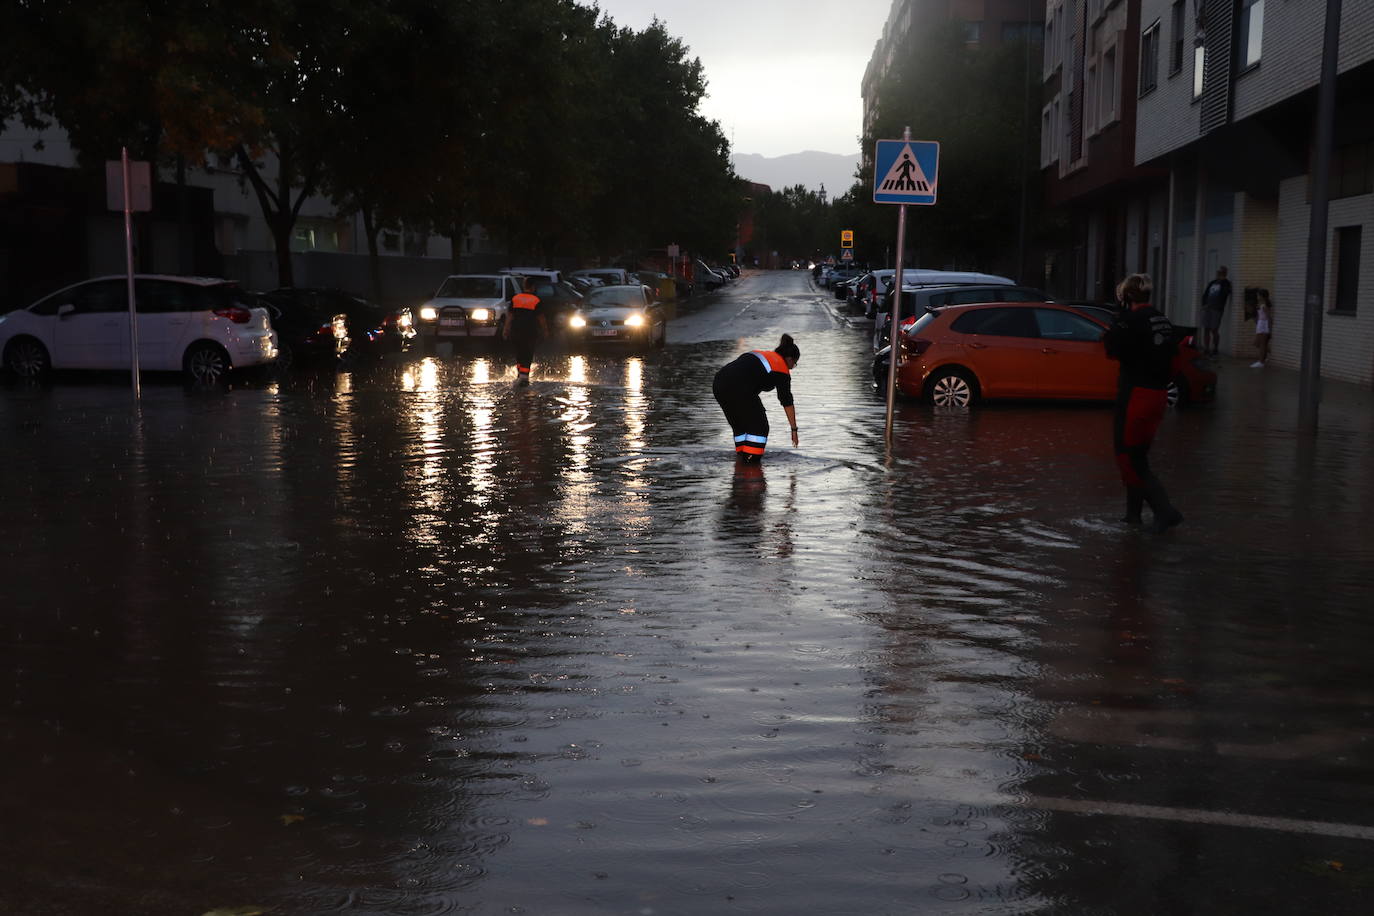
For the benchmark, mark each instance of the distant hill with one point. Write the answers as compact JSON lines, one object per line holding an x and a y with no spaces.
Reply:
{"x":809,"y":169}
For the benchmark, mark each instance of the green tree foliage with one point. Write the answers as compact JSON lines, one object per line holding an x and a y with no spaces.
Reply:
{"x":556,"y":129}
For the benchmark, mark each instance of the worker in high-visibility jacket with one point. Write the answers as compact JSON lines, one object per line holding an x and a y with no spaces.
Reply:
{"x":523,"y":327}
{"x":737,"y":387}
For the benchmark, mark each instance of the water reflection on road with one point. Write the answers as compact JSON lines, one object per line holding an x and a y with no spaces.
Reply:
{"x":418,"y":641}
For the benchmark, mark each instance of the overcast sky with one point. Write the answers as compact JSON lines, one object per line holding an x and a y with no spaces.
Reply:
{"x":783,"y":75}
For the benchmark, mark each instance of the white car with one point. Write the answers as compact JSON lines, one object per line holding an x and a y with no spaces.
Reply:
{"x":623,"y":314}
{"x":468,"y":306}
{"x":202,"y":326}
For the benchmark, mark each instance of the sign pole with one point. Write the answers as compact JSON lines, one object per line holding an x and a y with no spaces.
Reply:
{"x":129,"y":264}
{"x":894,"y":350}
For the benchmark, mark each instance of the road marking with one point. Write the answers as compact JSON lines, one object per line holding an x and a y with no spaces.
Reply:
{"x":1197,"y":816}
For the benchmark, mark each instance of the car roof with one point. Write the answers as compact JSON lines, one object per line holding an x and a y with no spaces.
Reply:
{"x":175,"y":278}
{"x":952,"y":278}
{"x":478,"y":276}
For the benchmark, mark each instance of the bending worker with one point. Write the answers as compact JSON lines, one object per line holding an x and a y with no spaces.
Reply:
{"x":737,"y":387}
{"x":523,"y":327}
{"x":1143,"y":341}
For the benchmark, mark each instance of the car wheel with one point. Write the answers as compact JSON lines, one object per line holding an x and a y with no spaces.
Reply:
{"x":207,"y":364}
{"x":952,"y":388}
{"x":286,"y":357}
{"x":27,"y":358}
{"x":1177,"y":392}
{"x":662,"y":335}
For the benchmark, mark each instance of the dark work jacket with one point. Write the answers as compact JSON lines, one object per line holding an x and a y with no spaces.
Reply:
{"x":1143,"y":340}
{"x":755,"y":372}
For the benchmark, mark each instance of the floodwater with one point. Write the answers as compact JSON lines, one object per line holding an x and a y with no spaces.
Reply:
{"x":415,"y":641}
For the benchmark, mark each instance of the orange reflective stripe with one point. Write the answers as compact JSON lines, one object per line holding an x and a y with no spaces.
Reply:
{"x":775,"y":362}
{"x":525,"y":301}
{"x":750,"y":449}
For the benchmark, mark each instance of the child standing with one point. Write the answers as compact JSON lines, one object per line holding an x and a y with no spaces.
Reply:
{"x":1263,"y":327}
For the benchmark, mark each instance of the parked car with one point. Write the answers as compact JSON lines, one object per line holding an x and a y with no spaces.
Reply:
{"x":200,"y":326}
{"x":620,"y":314}
{"x":310,"y":331}
{"x":956,"y":355}
{"x":706,"y":276}
{"x":372,"y":330}
{"x":917,"y":299}
{"x":467,"y":307}
{"x":841,"y":279}
{"x":609,"y":276}
{"x":558,"y":300}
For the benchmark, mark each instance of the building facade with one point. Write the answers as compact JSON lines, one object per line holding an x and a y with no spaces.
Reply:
{"x":986,"y":23}
{"x":1227,"y":95}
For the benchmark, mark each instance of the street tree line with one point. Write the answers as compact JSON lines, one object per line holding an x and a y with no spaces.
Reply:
{"x":545,"y":122}
{"x":982,"y":105}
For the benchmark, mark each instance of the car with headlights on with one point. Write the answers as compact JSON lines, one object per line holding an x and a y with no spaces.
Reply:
{"x":467,"y":307}
{"x":627,"y":314}
{"x":202,"y":326}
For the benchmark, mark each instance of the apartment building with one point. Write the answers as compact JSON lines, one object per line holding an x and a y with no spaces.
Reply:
{"x":1116,"y":210}
{"x":986,"y":23}
{"x":1227,"y":91}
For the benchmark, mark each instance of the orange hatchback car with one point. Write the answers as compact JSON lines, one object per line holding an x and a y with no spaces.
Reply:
{"x":956,"y":355}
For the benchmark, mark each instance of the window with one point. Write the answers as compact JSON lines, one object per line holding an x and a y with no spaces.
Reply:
{"x":1347,"y":269}
{"x":1251,"y":31}
{"x":973,"y":32}
{"x":163,"y":296}
{"x":1023,"y":31}
{"x":1008,"y":322}
{"x":1057,"y":325}
{"x":1176,"y":26}
{"x":1149,"y":58}
{"x":1199,"y":69}
{"x":104,"y":296}
{"x":1090,"y":99}
{"x":1108,"y":87}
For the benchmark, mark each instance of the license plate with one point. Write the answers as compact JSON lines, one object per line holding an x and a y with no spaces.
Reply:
{"x":453,"y":321}
{"x":608,"y":332}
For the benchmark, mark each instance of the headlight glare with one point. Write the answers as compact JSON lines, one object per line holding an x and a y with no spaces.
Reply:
{"x":577,"y":321}
{"x":481,"y":314}
{"x":428,"y":313}
{"x":635,"y":321}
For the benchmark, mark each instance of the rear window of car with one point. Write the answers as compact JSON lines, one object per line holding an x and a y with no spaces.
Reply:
{"x":471,"y":288}
{"x":921,"y":324}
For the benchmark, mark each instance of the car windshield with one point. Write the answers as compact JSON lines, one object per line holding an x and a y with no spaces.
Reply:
{"x":615,"y":295}
{"x":470,"y":288}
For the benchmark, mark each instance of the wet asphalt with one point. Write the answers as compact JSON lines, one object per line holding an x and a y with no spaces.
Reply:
{"x":412,"y":640}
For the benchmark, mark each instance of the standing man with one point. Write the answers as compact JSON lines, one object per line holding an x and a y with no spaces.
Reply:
{"x":1143,"y":341}
{"x":1214,"y":298}
{"x":523,"y":327}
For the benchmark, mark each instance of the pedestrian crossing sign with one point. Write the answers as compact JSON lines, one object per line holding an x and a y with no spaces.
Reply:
{"x":906,"y":172}
{"x":847,"y":256}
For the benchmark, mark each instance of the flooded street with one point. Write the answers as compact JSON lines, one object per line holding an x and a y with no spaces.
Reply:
{"x":413,"y":640}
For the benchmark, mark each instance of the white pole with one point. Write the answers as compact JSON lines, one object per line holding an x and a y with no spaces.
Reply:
{"x":129,"y":264}
{"x":894,"y":348}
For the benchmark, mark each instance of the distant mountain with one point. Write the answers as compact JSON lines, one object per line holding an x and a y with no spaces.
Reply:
{"x":809,"y":169}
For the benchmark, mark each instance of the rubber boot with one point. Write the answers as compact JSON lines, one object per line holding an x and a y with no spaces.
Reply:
{"x":1166,"y":516}
{"x":1135,"y":501}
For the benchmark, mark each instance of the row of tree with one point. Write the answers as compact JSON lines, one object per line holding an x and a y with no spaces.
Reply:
{"x":982,"y":105}
{"x":543,"y":120}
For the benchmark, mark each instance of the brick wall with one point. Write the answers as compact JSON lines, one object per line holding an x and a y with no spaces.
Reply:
{"x":1347,"y":340}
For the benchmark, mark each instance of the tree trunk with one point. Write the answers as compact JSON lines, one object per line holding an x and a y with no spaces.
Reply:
{"x":455,"y":240}
{"x":185,"y":249}
{"x":374,"y":260}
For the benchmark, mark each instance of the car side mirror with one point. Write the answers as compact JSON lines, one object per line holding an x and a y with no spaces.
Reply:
{"x":64,"y":310}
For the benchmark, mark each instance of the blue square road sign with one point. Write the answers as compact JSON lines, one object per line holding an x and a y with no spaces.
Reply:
{"x":906,"y":172}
